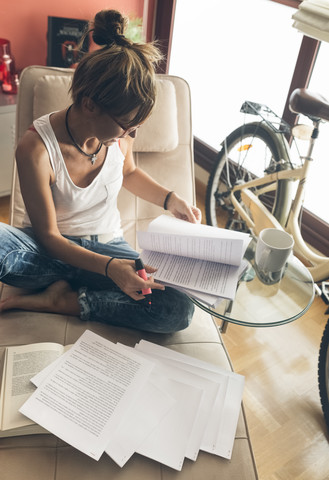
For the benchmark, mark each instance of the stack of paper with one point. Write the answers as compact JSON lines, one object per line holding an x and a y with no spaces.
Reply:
{"x":104,"y":397}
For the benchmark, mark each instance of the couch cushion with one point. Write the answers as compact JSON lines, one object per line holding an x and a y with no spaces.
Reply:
{"x":51,"y":92}
{"x":150,"y":137}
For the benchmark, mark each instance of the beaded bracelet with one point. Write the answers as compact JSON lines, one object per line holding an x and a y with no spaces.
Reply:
{"x":107,"y":265}
{"x":166,"y":200}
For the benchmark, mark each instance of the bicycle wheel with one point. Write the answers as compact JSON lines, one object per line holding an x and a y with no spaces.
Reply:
{"x":323,"y":373}
{"x":250,"y":151}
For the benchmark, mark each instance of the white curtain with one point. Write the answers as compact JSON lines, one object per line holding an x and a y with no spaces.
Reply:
{"x":312,"y":19}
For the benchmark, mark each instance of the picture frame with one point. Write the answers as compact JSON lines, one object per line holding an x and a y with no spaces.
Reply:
{"x":63,"y":38}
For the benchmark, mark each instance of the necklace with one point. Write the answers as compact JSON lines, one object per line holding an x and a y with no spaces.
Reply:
{"x":91,"y":156}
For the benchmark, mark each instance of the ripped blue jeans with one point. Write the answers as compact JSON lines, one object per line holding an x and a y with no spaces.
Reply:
{"x":24,"y":263}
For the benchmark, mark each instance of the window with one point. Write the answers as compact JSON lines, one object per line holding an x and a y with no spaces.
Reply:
{"x":230,"y":52}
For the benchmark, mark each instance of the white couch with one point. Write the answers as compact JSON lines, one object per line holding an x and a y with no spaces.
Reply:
{"x":164,"y":149}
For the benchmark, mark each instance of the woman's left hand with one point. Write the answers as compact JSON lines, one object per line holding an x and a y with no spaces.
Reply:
{"x":182,"y":210}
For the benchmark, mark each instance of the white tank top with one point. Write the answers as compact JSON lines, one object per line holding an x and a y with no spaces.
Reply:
{"x":83,"y":211}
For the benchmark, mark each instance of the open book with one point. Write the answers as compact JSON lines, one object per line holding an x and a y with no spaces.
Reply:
{"x":204,"y":261}
{"x":20,"y":364}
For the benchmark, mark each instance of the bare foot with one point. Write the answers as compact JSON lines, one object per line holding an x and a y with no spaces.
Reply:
{"x":57,"y":298}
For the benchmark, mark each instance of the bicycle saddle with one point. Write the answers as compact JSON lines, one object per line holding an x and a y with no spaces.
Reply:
{"x":310,"y":104}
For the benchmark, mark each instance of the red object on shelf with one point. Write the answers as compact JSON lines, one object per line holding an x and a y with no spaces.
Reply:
{"x":8,"y":76}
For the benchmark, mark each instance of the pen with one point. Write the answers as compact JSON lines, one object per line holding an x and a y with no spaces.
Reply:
{"x":141,"y":272}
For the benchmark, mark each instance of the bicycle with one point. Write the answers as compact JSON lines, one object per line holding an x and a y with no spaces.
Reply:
{"x":253,"y":178}
{"x":252,"y":182}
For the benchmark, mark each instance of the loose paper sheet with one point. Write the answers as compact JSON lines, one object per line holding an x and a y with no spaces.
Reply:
{"x":143,"y":416}
{"x":139,"y":422}
{"x":168,"y":442}
{"x":173,"y":370}
{"x":84,"y":399}
{"x":220,"y":433}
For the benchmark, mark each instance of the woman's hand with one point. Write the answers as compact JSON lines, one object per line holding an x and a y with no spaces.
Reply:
{"x":181,"y":209}
{"x":123,"y":273}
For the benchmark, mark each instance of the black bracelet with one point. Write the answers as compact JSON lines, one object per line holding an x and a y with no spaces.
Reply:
{"x":107,"y":265}
{"x":166,"y":200}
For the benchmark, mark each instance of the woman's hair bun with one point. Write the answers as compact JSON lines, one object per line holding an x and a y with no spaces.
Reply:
{"x":109,"y":27}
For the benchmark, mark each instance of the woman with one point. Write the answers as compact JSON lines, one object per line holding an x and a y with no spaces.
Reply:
{"x":72,"y":164}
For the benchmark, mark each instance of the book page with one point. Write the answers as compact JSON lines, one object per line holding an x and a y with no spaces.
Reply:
{"x":169,"y":224}
{"x":221,"y":250}
{"x":85,"y":397}
{"x":173,"y":236}
{"x":43,"y":374}
{"x":3,"y":365}
{"x":210,"y":300}
{"x":209,"y":277}
{"x":21,"y":363}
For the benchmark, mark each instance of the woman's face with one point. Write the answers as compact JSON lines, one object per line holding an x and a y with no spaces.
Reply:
{"x":110,"y":128}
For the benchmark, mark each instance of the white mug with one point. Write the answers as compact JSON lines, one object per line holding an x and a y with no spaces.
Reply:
{"x":272,"y":251}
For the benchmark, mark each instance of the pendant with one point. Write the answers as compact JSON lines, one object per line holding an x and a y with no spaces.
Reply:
{"x":93,"y":159}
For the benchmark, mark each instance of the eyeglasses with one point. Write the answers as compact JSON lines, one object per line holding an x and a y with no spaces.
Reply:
{"x":126,"y":131}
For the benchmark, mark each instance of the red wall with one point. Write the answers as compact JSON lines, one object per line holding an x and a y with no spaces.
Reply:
{"x":24,"y":22}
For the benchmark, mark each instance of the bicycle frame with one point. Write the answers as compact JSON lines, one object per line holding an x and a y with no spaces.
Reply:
{"x":261,"y":218}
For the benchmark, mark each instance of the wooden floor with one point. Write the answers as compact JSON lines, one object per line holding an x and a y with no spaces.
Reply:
{"x":281,"y":399}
